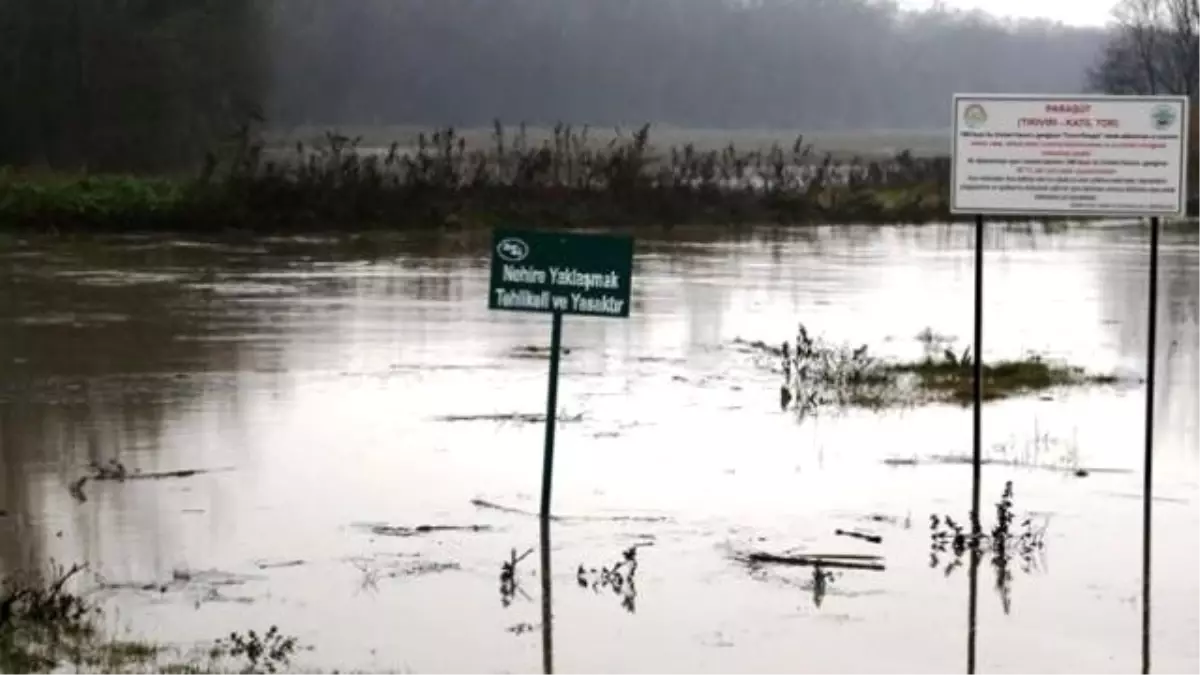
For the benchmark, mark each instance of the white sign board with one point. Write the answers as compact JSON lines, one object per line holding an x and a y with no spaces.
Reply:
{"x":1070,"y":155}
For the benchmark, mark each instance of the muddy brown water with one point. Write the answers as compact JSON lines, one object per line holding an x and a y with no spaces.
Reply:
{"x":343,"y":396}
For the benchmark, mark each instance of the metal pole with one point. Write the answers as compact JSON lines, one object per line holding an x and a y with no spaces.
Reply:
{"x":976,"y":450}
{"x":977,"y":413}
{"x":551,"y":414}
{"x":972,"y":607}
{"x":547,"y":606}
{"x":1148,"y":473}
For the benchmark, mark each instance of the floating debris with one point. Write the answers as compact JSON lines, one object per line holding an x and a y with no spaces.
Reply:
{"x":847,"y":561}
{"x":203,"y":581}
{"x":536,"y":352}
{"x":1012,"y":462}
{"x":76,"y":489}
{"x":484,"y":504}
{"x":872,"y":538}
{"x":372,"y":571}
{"x":405,"y":531}
{"x":114,"y":470}
{"x":523,"y":418}
{"x":262,"y":565}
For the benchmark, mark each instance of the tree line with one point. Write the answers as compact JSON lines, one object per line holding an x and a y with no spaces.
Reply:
{"x":154,"y":84}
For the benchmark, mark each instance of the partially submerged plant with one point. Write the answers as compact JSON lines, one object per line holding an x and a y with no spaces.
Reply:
{"x":369,"y":579}
{"x":819,"y":375}
{"x":47,"y":627}
{"x":39,"y":617}
{"x":509,"y":585}
{"x":821,"y":578}
{"x":1001,"y":544}
{"x":619,"y":578}
{"x":266,"y":653}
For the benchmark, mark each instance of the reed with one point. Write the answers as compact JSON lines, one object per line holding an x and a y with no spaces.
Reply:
{"x":564,"y":179}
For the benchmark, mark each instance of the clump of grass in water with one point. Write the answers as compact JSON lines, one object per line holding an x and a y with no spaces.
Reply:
{"x":820,"y":375}
{"x":1000,"y":545}
{"x":46,"y":627}
{"x":267,"y":653}
{"x":951,"y":378}
{"x":40,"y":621}
{"x":619,"y":578}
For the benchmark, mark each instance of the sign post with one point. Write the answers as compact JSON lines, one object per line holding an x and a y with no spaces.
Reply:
{"x":1068,"y":155}
{"x":559,"y":274}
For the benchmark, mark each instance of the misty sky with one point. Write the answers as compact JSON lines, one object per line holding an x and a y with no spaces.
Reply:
{"x":1074,"y":12}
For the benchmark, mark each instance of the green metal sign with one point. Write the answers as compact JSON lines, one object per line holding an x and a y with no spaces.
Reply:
{"x":557,"y":274}
{"x":581,"y":274}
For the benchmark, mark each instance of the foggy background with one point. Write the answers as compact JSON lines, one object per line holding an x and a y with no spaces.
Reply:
{"x":148,"y":85}
{"x":811,"y":64}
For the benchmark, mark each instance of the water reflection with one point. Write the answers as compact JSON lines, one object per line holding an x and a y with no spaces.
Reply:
{"x":972,"y":609}
{"x":93,"y":369}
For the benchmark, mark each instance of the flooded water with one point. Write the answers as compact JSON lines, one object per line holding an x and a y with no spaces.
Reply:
{"x":333,"y":398}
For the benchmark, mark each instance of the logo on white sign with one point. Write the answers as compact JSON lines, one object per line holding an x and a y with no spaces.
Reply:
{"x":975,"y":116}
{"x":1163,"y":117}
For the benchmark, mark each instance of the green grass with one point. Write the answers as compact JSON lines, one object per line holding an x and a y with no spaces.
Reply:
{"x":53,"y":202}
{"x":818,"y":374}
{"x":954,"y":381}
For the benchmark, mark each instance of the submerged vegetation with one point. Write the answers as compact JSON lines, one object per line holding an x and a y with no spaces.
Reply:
{"x":820,"y":375}
{"x":46,"y":625}
{"x":566,"y":179}
{"x":1005,"y":543}
{"x":620,"y":578}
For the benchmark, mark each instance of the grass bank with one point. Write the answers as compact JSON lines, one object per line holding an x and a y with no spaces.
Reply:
{"x":439,"y":180}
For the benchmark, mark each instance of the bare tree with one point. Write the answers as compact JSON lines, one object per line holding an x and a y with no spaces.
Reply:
{"x":1154,"y":49}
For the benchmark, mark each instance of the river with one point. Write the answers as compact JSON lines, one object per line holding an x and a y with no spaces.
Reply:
{"x":334,"y":396}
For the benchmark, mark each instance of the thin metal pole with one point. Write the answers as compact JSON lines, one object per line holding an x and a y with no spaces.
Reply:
{"x":977,"y":413}
{"x":973,"y":607}
{"x":551,"y":414}
{"x":547,"y":605}
{"x":1148,"y":474}
{"x":976,"y":450}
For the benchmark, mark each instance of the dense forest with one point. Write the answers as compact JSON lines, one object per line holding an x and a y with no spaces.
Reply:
{"x":126,"y":83}
{"x":148,"y":84}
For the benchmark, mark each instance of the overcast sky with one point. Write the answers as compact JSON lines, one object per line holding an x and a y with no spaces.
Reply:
{"x":1076,"y":12}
